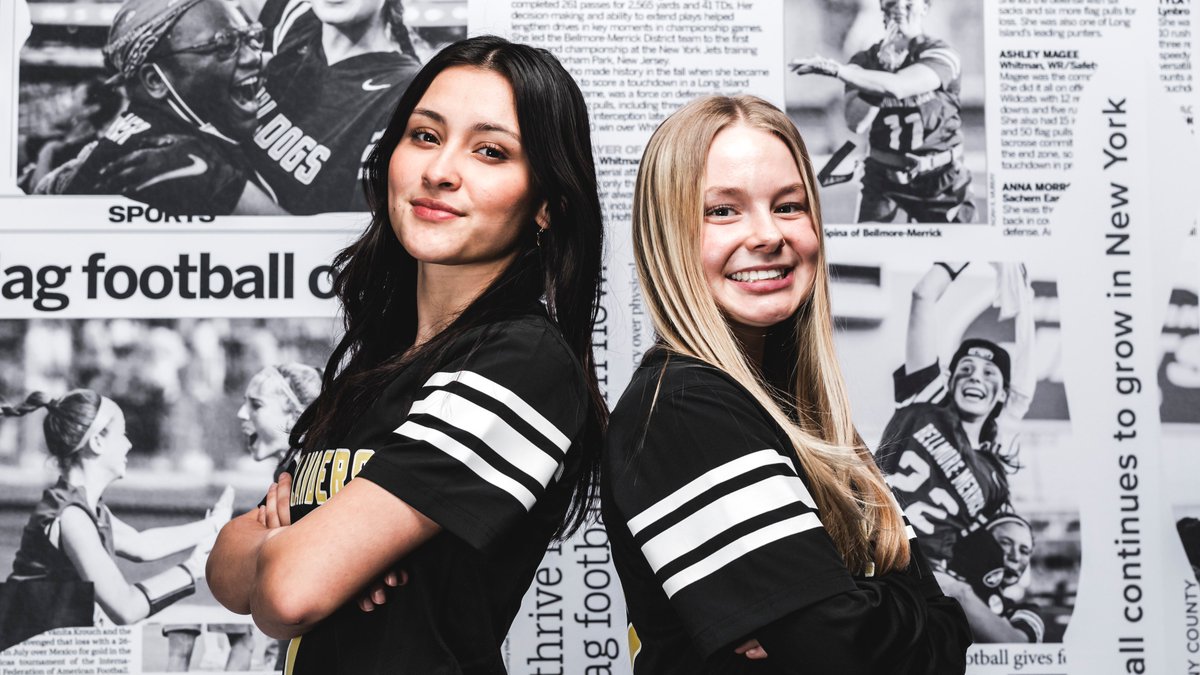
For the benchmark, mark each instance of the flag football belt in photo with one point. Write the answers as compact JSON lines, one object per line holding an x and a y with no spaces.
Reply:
{"x":905,"y":167}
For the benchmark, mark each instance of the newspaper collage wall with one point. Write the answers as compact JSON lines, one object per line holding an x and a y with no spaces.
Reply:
{"x":1048,"y":212}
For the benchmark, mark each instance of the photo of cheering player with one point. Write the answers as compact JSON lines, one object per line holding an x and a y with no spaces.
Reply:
{"x":273,"y":401}
{"x":287,"y":132}
{"x":975,"y":428}
{"x":72,"y":537}
{"x":951,"y":444}
{"x":336,"y":72}
{"x":904,"y":94}
{"x":984,"y":576}
{"x":172,"y":60}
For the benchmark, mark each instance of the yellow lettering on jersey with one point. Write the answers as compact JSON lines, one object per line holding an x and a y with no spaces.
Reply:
{"x":337,"y":474}
{"x":289,"y":665}
{"x":301,"y":478}
{"x":321,"y":495}
{"x":310,"y":480}
{"x":635,"y":645}
{"x":360,"y":460}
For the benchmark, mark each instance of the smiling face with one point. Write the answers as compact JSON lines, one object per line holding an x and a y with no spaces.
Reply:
{"x":266,"y":421}
{"x":199,"y":75}
{"x":459,"y":183}
{"x":977,"y":386}
{"x":759,"y":244}
{"x":1017,"y":543}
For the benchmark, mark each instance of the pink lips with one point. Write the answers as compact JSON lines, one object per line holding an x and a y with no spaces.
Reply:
{"x":432,"y":209}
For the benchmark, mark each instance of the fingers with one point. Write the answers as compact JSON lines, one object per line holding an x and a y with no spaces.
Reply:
{"x":260,"y":515}
{"x":271,"y":506}
{"x":284,"y":499}
{"x":376,"y":594}
{"x":751,"y":649}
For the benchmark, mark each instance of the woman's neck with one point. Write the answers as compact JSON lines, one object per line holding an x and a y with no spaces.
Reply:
{"x":753,"y":341}
{"x":444,"y":291}
{"x":93,"y":484}
{"x":973,"y":428}
{"x":343,"y":42}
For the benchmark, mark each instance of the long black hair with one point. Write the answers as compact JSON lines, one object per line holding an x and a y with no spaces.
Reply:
{"x":375,"y":277}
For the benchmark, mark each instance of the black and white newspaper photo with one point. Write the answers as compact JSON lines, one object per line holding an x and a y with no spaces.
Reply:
{"x":198,"y":107}
{"x":890,"y":94}
{"x":955,"y":375}
{"x":127,"y":444}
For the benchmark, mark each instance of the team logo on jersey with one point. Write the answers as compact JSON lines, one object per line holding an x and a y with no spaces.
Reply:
{"x":370,"y":85}
{"x":993,"y":578}
{"x":197,"y":168}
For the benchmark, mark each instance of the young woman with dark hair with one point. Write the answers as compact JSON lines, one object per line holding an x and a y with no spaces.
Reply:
{"x":747,"y":519}
{"x":72,"y":536}
{"x":465,"y":410}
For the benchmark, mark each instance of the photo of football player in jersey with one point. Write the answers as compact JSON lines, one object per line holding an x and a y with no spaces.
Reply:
{"x":169,"y":60}
{"x":250,"y":107}
{"x":900,"y":97}
{"x":974,"y":434}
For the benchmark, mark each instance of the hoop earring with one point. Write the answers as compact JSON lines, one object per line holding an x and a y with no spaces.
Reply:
{"x":538,"y":236}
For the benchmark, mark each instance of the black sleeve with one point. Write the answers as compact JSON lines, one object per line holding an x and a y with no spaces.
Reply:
{"x":487,"y":433}
{"x":923,"y":386}
{"x":900,"y":623}
{"x":718,"y":511}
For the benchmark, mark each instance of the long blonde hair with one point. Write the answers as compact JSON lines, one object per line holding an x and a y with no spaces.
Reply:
{"x":854,"y":503}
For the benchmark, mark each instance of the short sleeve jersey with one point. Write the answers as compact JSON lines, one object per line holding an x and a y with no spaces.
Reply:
{"x":40,"y":557}
{"x":714,"y":532}
{"x":481,"y":443}
{"x":927,"y":123}
{"x":318,"y":122}
{"x":202,"y":175}
{"x":948,"y":489}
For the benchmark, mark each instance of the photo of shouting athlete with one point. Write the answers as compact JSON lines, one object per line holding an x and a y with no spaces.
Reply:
{"x":251,"y":107}
{"x":974,"y":434}
{"x":191,"y":71}
{"x":903,"y":93}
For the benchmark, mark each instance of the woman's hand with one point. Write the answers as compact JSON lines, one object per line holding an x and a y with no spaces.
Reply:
{"x":376,"y":594}
{"x":815,"y":65}
{"x":222,"y":510}
{"x":751,"y":650}
{"x":276,"y":511}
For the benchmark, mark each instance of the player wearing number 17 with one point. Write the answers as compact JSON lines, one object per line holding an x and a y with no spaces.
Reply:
{"x":903,"y":91}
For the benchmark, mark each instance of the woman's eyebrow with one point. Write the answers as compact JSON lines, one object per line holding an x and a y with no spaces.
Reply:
{"x":479,"y":126}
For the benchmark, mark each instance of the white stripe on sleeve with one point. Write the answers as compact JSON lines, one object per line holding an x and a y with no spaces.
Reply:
{"x":468,"y":457}
{"x":706,"y":482}
{"x":509,"y":399}
{"x":739,"y":548}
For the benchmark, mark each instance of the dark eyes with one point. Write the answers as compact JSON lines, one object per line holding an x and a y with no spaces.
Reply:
{"x":727,"y":210}
{"x":490,"y":151}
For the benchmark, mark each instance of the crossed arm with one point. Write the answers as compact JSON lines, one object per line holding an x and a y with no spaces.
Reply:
{"x":291,"y":576}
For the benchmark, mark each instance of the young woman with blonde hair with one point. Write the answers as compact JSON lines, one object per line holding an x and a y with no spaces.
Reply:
{"x":748,"y":521}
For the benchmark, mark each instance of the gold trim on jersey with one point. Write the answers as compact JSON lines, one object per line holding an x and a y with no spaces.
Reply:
{"x":635,"y":645}
{"x":293,"y":648}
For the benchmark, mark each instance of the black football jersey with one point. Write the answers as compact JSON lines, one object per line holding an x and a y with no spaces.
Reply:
{"x":948,"y":489}
{"x":318,"y":122}
{"x":200,"y":173}
{"x":714,"y":532}
{"x":482,"y":445}
{"x":927,"y":123}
